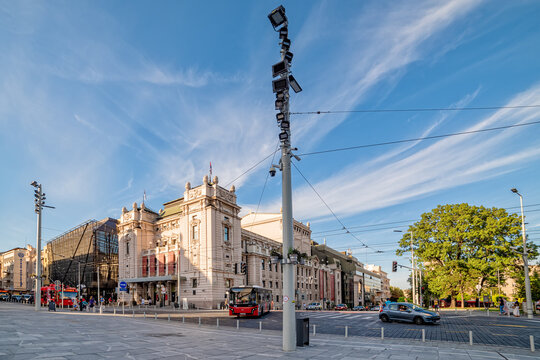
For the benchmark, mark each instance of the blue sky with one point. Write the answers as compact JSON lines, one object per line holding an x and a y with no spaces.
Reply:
{"x":102,"y":100}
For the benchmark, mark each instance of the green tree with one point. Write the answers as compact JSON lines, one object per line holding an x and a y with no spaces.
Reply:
{"x":395,"y":293}
{"x":462,"y":246}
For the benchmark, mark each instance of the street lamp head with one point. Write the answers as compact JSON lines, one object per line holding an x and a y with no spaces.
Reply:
{"x":514,"y":190}
{"x":34,"y":183}
{"x":398,"y":231}
{"x":294,"y":84}
{"x":277,"y":17}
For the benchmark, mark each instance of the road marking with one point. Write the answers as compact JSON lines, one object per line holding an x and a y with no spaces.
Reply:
{"x":521,"y":326}
{"x":504,"y":334}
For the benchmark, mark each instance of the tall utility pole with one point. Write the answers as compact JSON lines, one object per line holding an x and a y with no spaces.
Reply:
{"x":39,"y":202}
{"x":525,"y":259}
{"x":413,"y":272}
{"x":280,"y":87}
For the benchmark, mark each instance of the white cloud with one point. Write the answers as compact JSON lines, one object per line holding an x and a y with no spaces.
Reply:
{"x":447,"y":163}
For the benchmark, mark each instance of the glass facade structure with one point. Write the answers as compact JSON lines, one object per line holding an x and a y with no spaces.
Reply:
{"x":83,"y":251}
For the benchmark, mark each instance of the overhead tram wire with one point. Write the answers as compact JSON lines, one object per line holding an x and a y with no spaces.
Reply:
{"x":332,"y":232}
{"x":251,"y":168}
{"x":264,"y":186}
{"x":419,"y":139}
{"x":413,"y":110}
{"x":333,"y":213}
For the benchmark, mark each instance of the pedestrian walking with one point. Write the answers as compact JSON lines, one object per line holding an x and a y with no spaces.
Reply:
{"x":516,"y":308}
{"x":501,"y":305}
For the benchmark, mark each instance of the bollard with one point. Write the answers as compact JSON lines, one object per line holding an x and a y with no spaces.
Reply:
{"x":237,"y":324}
{"x":114,"y":312}
{"x":314,"y":329}
{"x":260,"y":326}
{"x":488,"y":312}
{"x":455,"y":310}
{"x":199,"y":321}
{"x":469,"y":312}
{"x":144,"y":314}
{"x":101,"y":310}
{"x":470,"y":337}
{"x":183,"y":319}
{"x":217,"y":323}
{"x":122,"y":308}
{"x":531,"y":340}
{"x":169,"y":317}
{"x":133,"y":313}
{"x":423,"y":335}
{"x":346,"y":331}
{"x":382,"y":333}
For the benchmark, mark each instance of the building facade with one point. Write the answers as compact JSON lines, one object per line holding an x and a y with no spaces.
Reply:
{"x":189,"y":252}
{"x":87,"y":253}
{"x":17,"y":270}
{"x":197,"y":247}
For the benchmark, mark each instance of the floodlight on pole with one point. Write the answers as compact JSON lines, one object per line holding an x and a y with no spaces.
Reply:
{"x":288,"y":56}
{"x":285,"y":44}
{"x":279,"y":68}
{"x":285,"y":125}
{"x":283,"y":32}
{"x":283,"y":136}
{"x":277,"y":17}
{"x":280,"y":116}
{"x":294,"y":84}
{"x":280,"y":84}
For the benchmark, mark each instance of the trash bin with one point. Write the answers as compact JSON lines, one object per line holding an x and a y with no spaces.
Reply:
{"x":302,"y":332}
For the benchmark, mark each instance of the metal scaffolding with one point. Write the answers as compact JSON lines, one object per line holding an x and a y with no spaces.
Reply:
{"x":91,"y":245}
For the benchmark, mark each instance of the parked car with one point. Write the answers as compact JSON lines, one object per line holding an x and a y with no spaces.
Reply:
{"x":28,"y":298}
{"x":340,"y":307}
{"x":358,"y":308}
{"x":16,"y":298}
{"x":375,"y":308}
{"x":314,"y":306}
{"x":4,"y":297}
{"x":408,"y":312}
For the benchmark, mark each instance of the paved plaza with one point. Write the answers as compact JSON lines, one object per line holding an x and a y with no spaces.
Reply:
{"x":25,"y":334}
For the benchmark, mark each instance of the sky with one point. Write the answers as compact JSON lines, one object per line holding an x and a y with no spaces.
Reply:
{"x":102,"y":101}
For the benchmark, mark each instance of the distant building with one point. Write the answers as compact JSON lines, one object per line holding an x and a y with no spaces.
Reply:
{"x":82,"y":252}
{"x":17,"y":269}
{"x":384,"y":292}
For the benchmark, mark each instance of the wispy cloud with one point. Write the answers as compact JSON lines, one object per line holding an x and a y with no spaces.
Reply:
{"x":447,"y":163}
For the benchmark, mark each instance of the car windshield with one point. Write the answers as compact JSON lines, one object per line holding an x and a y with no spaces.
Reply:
{"x":69,"y":295}
{"x":417,"y":308}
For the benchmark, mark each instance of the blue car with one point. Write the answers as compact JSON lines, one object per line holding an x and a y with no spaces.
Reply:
{"x":408,"y":312}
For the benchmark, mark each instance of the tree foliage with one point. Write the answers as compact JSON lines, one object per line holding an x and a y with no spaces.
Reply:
{"x":396,"y":293}
{"x":462,"y":246}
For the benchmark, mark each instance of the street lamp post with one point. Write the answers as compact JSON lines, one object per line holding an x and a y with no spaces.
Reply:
{"x":280,"y":87}
{"x":39,"y":202}
{"x":525,"y":258}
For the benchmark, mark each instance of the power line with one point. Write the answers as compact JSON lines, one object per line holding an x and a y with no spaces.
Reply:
{"x":251,"y":168}
{"x":329,"y":233}
{"x":333,"y":213}
{"x":412,"y":110}
{"x":419,"y":139}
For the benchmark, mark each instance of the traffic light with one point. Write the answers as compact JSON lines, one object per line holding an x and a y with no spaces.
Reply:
{"x":394,"y":266}
{"x":244,"y":268}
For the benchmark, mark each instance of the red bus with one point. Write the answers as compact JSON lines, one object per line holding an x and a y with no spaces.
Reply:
{"x":49,"y":293}
{"x":249,"y":301}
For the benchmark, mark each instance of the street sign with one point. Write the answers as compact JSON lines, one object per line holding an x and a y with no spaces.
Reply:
{"x":163,"y":290}
{"x":57,"y":285}
{"x":123,"y":285}
{"x":285,"y":299}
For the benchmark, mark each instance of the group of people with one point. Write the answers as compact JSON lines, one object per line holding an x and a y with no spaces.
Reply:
{"x":508,"y":307}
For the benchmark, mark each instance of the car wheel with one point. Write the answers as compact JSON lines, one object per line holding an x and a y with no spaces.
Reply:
{"x":385,"y":318}
{"x":418,"y":320}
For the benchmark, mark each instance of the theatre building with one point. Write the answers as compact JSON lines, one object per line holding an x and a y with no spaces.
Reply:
{"x":193,"y":242}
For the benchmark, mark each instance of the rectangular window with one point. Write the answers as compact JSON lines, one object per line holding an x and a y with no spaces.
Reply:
{"x":127,"y":247}
{"x":195,"y":229}
{"x":226,"y":233}
{"x":264,"y":283}
{"x":270,"y":284}
{"x":262,"y":264}
{"x":194,"y":283}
